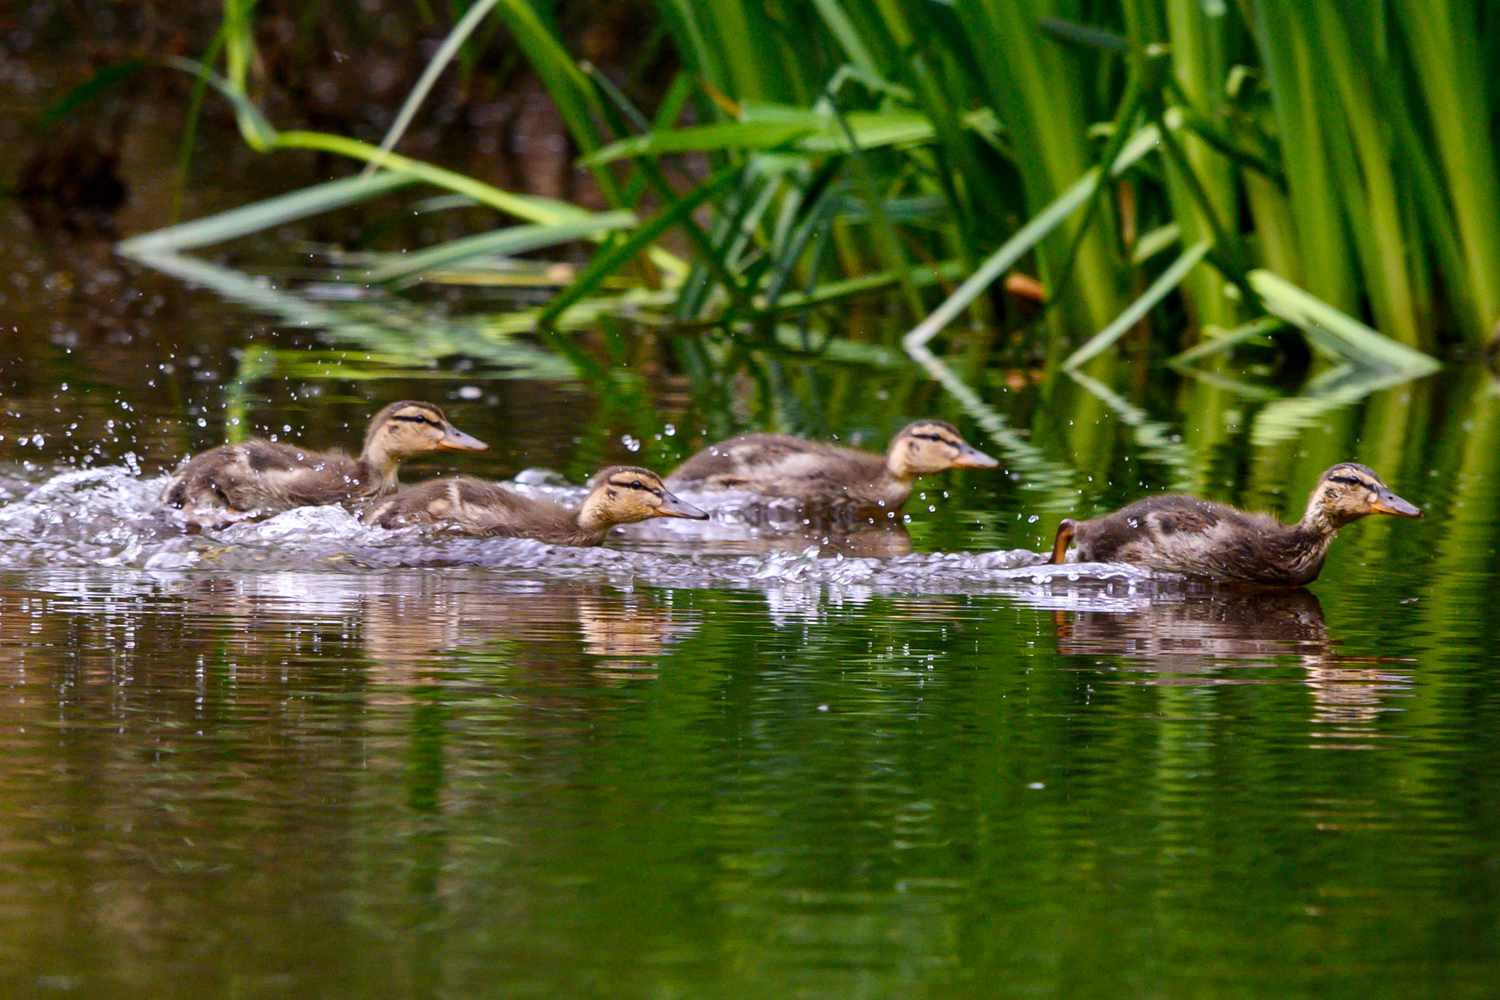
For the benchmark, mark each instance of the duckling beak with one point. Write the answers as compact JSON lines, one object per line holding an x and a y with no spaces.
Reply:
{"x":456,"y":440}
{"x":671,"y":506}
{"x":970,"y":457}
{"x":1389,"y":503}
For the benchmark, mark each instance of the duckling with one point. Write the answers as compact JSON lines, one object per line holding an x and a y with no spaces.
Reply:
{"x":621,"y":494}
{"x":827,"y":475}
{"x":1184,"y":534}
{"x":265,"y":477}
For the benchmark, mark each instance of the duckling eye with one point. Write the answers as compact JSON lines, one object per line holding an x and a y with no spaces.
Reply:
{"x":414,"y":418}
{"x":636,"y":485}
{"x":1345,"y":480}
{"x":929,"y":437}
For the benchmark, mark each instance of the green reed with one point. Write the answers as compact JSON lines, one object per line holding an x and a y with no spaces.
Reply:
{"x":1317,"y":165}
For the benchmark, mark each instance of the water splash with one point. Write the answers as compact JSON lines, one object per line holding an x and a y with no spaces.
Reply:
{"x":111,"y":517}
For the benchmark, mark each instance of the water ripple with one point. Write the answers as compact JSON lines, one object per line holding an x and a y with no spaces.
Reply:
{"x":111,"y":517}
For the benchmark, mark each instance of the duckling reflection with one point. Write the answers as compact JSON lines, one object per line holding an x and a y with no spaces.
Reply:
{"x":732,"y":535}
{"x":1232,"y":625}
{"x":1192,"y":641}
{"x":410,"y":628}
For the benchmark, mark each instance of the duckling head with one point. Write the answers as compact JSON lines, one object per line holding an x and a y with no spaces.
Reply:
{"x":624,"y":494}
{"x":1349,"y":491}
{"x":407,"y":429}
{"x":927,"y":447}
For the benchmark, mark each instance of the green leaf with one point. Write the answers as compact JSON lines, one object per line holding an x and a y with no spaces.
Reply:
{"x":95,"y":86}
{"x":611,"y":259}
{"x":430,"y":73}
{"x":1256,"y":329}
{"x":1027,"y":237}
{"x":1338,"y":330}
{"x":503,"y":242}
{"x":703,"y":138}
{"x":775,"y":126}
{"x":261,"y":215}
{"x":1137,"y":310}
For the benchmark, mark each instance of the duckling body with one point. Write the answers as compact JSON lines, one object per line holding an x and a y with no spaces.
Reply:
{"x":618,"y":495}
{"x":820,"y":474}
{"x":262,"y":477}
{"x":1183,"y":534}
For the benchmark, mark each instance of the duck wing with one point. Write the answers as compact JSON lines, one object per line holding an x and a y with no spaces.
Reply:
{"x":777,"y":463}
{"x":474,"y":507}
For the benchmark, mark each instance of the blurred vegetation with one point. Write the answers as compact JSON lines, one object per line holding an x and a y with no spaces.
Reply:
{"x":1346,"y":150}
{"x":1233,"y":188}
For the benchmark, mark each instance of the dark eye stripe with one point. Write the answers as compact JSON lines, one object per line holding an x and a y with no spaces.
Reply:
{"x":412,"y":418}
{"x":1348,"y":481}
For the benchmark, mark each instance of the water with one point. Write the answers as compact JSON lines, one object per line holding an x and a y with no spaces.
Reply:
{"x":306,"y":757}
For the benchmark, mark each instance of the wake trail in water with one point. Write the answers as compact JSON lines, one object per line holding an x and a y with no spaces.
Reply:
{"x":110,"y":517}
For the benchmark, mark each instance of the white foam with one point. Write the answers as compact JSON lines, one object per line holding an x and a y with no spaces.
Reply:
{"x":109,"y":517}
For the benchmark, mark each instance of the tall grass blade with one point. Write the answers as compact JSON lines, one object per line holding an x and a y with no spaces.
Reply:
{"x":430,"y":73}
{"x":1447,"y":47}
{"x":1137,"y":310}
{"x":96,"y":86}
{"x":616,"y":256}
{"x":1025,"y":239}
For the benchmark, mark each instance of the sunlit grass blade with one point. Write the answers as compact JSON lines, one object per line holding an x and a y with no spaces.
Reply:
{"x":501,"y":242}
{"x":262,"y":215}
{"x":1137,"y":310}
{"x":1025,"y":239}
{"x":705,"y":138}
{"x":430,"y":73}
{"x":810,"y":131}
{"x":614,"y":257}
{"x":531,"y":208}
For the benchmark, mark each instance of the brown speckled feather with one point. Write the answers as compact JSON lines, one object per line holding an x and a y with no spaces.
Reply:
{"x":782,"y":465}
{"x":476,"y":507}
{"x":267,"y":476}
{"x":1187,"y":535}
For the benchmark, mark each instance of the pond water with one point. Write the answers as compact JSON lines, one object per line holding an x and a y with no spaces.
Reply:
{"x":309,"y":758}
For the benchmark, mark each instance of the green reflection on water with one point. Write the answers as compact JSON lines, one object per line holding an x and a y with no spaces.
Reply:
{"x":441,"y":783}
{"x":456,"y":782}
